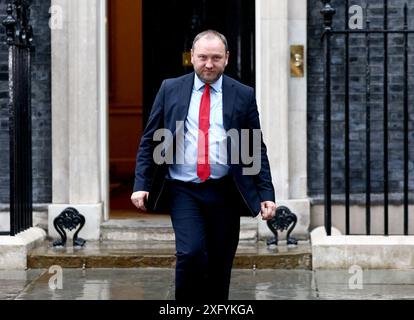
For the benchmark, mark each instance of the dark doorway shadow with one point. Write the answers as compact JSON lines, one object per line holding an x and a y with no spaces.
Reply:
{"x":170,"y":26}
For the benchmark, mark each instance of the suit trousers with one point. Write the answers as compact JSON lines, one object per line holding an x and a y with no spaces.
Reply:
{"x":206,"y":222}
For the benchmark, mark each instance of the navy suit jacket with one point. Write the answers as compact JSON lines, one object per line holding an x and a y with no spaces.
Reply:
{"x":239,"y":112}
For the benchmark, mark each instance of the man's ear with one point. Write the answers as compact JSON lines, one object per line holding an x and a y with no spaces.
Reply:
{"x":227,"y":57}
{"x":192,"y":56}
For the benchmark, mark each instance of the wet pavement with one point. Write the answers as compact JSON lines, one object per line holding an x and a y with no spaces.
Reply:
{"x":158,"y":284}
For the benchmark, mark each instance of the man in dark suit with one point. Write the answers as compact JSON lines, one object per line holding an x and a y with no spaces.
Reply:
{"x":211,"y":168}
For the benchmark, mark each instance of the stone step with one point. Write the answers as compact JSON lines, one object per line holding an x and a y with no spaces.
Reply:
{"x":159,"y":229}
{"x":125,"y":254}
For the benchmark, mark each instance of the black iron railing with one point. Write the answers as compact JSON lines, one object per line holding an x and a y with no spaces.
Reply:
{"x":328,"y":13}
{"x":19,"y":39}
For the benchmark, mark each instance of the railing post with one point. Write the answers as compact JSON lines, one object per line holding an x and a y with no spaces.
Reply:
{"x":347,"y":126}
{"x":368,"y":127}
{"x":406,"y":124}
{"x":328,"y":13}
{"x":19,"y":39}
{"x":385,"y":121}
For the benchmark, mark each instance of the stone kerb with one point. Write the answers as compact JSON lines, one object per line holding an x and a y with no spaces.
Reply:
{"x":368,"y":252}
{"x":13,"y":250}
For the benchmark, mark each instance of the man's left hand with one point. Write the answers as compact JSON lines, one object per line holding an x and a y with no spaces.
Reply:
{"x":267,"y":210}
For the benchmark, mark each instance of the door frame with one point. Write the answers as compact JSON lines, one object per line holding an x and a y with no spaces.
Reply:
{"x":104,"y":105}
{"x":104,"y":98}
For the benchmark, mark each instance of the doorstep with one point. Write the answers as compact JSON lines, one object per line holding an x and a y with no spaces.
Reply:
{"x":159,"y":229}
{"x":125,"y":254}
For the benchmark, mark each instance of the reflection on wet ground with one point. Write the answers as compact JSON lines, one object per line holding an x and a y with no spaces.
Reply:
{"x":158,"y":284}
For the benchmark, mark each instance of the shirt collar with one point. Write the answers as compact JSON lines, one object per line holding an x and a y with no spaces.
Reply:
{"x":198,"y":84}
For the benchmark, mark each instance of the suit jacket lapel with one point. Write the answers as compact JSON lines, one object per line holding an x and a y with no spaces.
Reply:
{"x":229,"y":95}
{"x":183,"y":102}
{"x":186,"y":89}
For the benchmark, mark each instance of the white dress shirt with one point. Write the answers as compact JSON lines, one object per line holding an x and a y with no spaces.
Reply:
{"x":186,"y":168}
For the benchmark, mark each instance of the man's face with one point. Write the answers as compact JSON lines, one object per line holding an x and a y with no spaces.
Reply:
{"x":209,"y":58}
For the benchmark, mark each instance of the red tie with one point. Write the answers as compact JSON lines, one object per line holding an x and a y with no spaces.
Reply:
{"x":203,"y":165}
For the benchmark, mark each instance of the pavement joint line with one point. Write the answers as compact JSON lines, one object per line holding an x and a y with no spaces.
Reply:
{"x":30,"y":285}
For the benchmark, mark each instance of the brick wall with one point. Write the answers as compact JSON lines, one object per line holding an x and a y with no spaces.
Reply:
{"x":357,"y":99}
{"x":41,"y":106}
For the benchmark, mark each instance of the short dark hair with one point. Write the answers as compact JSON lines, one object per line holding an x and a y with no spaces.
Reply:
{"x":210,"y":34}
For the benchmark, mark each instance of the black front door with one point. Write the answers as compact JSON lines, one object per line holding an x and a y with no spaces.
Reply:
{"x":170,"y":26}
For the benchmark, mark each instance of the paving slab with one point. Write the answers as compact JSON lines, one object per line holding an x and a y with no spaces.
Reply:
{"x":104,"y":284}
{"x":386,"y":284}
{"x":13,"y":282}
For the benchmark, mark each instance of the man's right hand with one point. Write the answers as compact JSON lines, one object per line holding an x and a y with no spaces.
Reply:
{"x":139,"y":199}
